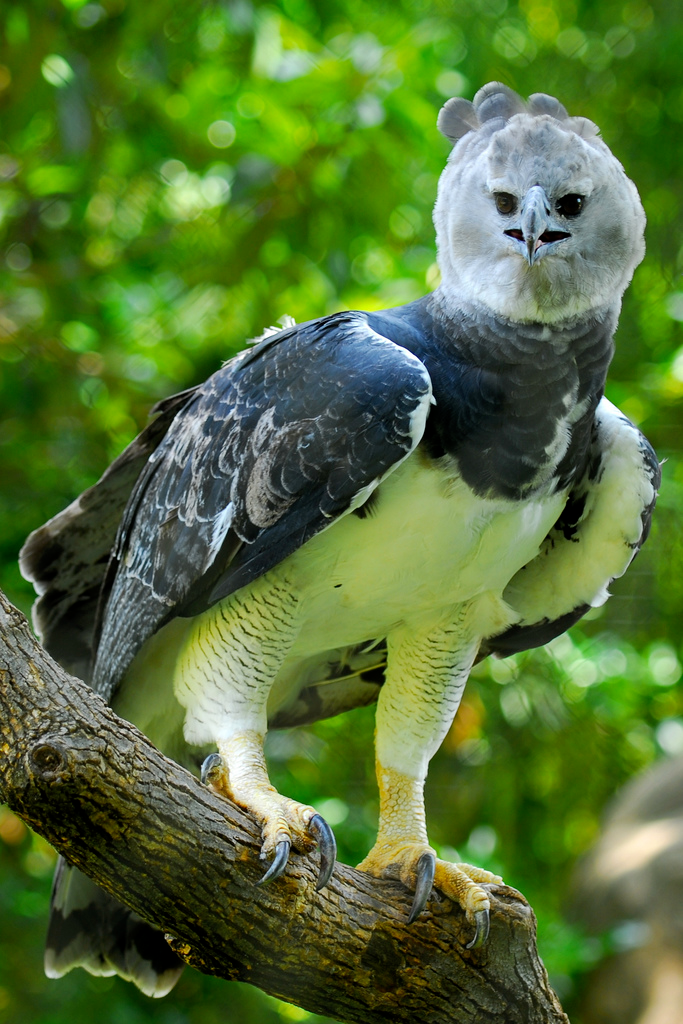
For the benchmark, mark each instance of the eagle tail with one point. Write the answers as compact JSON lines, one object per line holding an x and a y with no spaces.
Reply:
{"x":90,"y":929}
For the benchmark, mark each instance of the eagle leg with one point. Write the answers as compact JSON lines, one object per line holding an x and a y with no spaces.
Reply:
{"x":239,"y":772}
{"x":224,"y":676}
{"x":426,"y":675}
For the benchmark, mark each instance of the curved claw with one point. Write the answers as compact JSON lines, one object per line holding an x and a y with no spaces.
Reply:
{"x":426,"y":866}
{"x":210,"y":767}
{"x":327,"y":844}
{"x":481,"y":929}
{"x":279,"y":862}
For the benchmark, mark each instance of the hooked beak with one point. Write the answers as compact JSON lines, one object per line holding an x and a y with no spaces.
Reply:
{"x":535,"y":229}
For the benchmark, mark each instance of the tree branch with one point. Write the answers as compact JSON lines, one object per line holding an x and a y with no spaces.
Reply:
{"x":154,"y":837}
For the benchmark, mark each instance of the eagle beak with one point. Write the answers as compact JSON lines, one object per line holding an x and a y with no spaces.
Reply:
{"x":534,"y":230}
{"x":535,"y":214}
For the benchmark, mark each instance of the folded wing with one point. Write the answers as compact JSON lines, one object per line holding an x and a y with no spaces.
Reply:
{"x":67,"y":558}
{"x":604,"y":524}
{"x":272,"y":449}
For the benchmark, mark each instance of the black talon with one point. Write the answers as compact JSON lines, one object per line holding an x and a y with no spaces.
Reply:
{"x":210,"y":767}
{"x":327,"y":844}
{"x":481,"y":929}
{"x":279,"y":862}
{"x":426,"y":866}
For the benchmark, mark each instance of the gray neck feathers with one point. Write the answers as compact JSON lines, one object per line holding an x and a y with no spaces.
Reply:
{"x":491,"y":341}
{"x":535,"y":388}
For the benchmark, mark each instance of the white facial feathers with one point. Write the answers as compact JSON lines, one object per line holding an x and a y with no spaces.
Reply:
{"x":590,"y":238}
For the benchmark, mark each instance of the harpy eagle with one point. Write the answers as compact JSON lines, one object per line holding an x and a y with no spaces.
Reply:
{"x":359,"y":507}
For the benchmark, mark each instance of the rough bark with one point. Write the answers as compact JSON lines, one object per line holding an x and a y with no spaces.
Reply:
{"x":154,"y":837}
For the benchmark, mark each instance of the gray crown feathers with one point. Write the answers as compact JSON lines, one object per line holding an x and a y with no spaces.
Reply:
{"x":495,"y":104}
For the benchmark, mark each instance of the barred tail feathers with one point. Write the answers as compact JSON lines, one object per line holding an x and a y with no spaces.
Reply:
{"x":90,"y":929}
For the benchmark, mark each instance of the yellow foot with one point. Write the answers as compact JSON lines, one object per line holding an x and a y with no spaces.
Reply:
{"x":417,"y":866}
{"x":284,"y":822}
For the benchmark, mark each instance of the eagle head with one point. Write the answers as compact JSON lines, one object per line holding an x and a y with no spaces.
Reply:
{"x":535,"y":218}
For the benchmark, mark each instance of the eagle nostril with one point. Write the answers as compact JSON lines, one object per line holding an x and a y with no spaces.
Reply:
{"x":554,"y":236}
{"x":547,"y":236}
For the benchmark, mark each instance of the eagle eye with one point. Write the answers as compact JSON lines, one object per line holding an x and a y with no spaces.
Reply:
{"x":505,"y":203}
{"x":570,"y":205}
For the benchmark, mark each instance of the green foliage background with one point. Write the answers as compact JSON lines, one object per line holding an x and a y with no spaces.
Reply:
{"x":176,"y":177}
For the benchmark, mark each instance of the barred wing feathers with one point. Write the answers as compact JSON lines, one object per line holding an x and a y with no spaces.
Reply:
{"x":66,"y":559}
{"x":272,"y":449}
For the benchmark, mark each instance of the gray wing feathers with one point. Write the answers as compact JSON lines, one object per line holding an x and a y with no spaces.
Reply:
{"x":325,"y":700}
{"x":90,"y":929}
{"x":271,"y":450}
{"x":604,"y":524}
{"x":67,"y":558}
{"x":334,"y":682}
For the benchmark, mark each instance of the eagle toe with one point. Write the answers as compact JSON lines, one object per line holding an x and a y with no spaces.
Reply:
{"x":418,"y":867}
{"x":284,"y":823}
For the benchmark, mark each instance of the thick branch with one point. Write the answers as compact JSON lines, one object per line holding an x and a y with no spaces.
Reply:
{"x":154,"y":837}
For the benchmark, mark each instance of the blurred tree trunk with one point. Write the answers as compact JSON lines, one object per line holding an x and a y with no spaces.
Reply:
{"x":154,"y":837}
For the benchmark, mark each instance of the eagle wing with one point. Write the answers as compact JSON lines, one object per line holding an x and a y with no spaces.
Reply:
{"x":272,"y":449}
{"x":604,"y":523}
{"x":67,"y":558}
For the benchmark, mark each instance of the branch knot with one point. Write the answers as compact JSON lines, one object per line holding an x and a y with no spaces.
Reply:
{"x":48,"y":758}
